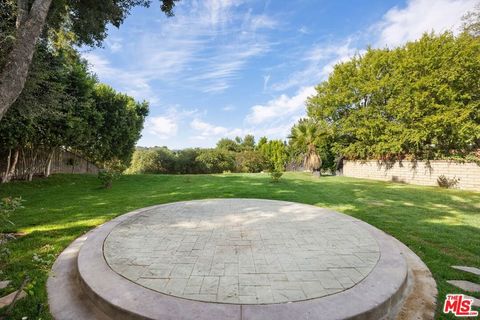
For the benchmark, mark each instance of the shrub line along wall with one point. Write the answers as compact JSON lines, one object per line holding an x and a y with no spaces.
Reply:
{"x":417,"y":172}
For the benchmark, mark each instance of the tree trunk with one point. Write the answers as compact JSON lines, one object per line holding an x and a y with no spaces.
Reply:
{"x":30,"y":162}
{"x":32,"y":168}
{"x":48,"y":164}
{"x":7,"y":168}
{"x":15,"y":71}
{"x":11,"y":166}
{"x":22,"y":12}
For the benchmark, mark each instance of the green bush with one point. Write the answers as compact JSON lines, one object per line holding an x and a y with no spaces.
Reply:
{"x":216,"y":161}
{"x":155,"y":160}
{"x":250,"y":161}
{"x":186,"y":162}
{"x":276,"y":174}
{"x":112,"y":171}
{"x":275,"y":153}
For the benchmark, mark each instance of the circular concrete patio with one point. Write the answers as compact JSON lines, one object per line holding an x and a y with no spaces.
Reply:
{"x":249,"y":252}
{"x":237,"y":259}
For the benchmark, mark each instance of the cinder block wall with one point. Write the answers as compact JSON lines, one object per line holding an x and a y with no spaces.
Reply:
{"x":419,"y":172}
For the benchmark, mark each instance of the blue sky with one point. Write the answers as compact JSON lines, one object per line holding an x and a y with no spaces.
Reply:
{"x":226,"y":68}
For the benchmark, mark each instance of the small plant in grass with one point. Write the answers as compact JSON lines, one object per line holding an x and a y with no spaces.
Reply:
{"x":7,"y":207}
{"x":448,"y":183}
{"x":111,"y":171}
{"x":276,"y":174}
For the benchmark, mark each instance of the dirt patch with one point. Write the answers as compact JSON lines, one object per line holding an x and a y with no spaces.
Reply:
{"x":5,"y":237}
{"x":420,"y":302}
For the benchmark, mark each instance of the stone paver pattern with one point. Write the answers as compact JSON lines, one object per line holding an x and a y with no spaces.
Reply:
{"x":473,"y":270}
{"x":242,"y":251}
{"x":465,"y":285}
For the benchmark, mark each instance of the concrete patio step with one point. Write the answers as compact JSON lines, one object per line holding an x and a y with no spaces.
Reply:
{"x":66,"y":298}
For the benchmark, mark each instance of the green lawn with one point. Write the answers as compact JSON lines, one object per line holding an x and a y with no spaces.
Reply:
{"x":441,"y":226}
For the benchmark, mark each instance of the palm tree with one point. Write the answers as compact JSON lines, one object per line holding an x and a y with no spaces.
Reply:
{"x":305,"y":137}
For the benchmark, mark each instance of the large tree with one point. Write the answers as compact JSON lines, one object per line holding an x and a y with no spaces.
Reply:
{"x":87,"y":20}
{"x":121,"y":122}
{"x":62,"y":106}
{"x":418,"y":101}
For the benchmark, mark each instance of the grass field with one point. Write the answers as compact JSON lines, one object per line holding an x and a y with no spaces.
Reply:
{"x":441,"y":226}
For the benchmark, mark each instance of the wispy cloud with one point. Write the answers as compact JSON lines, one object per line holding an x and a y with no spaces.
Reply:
{"x":210,"y":131}
{"x":274,"y":119}
{"x":131,"y":83}
{"x":166,"y":125}
{"x":266,"y":78}
{"x":205,"y":46}
{"x":318,"y":62}
{"x":114,"y":44}
{"x":228,"y":108}
{"x":400,"y":25}
{"x":304,"y":30}
{"x":396,"y":27}
{"x":210,"y":46}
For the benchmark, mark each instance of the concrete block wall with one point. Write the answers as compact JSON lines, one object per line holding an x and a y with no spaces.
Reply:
{"x":419,"y":172}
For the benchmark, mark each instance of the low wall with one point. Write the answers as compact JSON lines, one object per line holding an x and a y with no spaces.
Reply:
{"x":419,"y":172}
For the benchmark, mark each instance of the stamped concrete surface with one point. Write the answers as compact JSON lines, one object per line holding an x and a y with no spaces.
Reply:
{"x":242,"y":251}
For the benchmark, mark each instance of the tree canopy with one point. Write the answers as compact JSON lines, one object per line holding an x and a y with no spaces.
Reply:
{"x":64,"y":106}
{"x":418,"y":101}
{"x":24,"y":22}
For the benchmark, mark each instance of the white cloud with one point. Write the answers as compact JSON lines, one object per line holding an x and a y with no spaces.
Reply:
{"x":207,"y":130}
{"x":280,"y":107}
{"x":266,"y":78}
{"x":218,"y":72}
{"x":396,"y":27}
{"x":163,"y":127}
{"x":208,"y":44}
{"x":114,"y":44}
{"x":318,"y":62}
{"x":274,"y":119}
{"x":228,"y":108}
{"x":131,"y":83}
{"x":304,"y":30}
{"x":204,"y":46}
{"x":263,"y":22}
{"x":400,"y":25}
